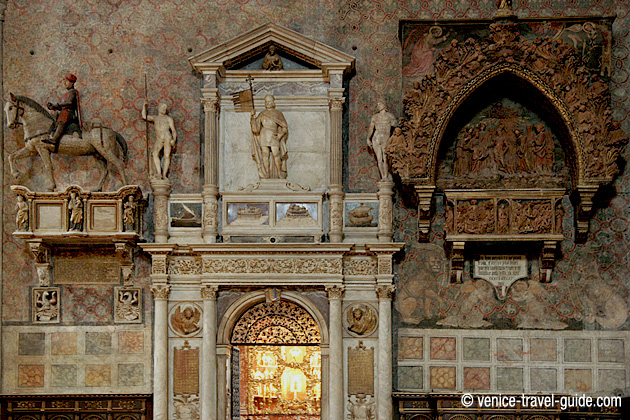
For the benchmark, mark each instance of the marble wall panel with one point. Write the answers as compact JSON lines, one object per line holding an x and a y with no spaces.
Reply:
{"x":98,"y":375}
{"x":32,"y":344}
{"x":509,"y":349}
{"x":543,"y":349}
{"x":611,"y":350}
{"x":443,"y":348}
{"x":63,"y":343}
{"x":477,"y":378}
{"x":410,"y":348}
{"x":443,"y":377}
{"x":130,"y":374}
{"x":98,"y":343}
{"x":543,"y":379}
{"x":477,"y":349}
{"x":30,"y":376}
{"x":131,"y":342}
{"x":577,"y":350}
{"x":410,"y":377}
{"x":578,"y":380}
{"x":509,"y":379}
{"x":612,"y":380}
{"x":63,"y":376}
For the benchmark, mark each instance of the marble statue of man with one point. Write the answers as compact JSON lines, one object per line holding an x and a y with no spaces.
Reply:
{"x":269,"y":143}
{"x":380,"y":130}
{"x":165,"y":138}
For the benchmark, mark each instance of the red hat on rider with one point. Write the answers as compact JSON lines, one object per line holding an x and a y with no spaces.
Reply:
{"x":70,"y":77}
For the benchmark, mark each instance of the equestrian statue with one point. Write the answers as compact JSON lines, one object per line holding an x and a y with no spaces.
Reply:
{"x":45,"y":134}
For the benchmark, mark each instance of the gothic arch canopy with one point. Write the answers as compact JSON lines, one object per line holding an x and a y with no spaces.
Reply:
{"x":565,"y":61}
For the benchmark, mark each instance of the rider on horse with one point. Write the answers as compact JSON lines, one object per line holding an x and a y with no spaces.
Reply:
{"x":69,"y":118}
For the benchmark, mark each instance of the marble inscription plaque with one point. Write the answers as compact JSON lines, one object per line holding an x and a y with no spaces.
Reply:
{"x":186,"y":371}
{"x":95,"y":267}
{"x":501,"y":270}
{"x":104,"y":217}
{"x":361,"y":370}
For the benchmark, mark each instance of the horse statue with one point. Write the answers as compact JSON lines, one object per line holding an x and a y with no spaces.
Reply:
{"x":37,"y":121}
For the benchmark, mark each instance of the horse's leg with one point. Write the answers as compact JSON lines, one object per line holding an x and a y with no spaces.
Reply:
{"x":107,"y":151}
{"x":24,"y":152}
{"x":44,"y":152}
{"x":104,"y":171}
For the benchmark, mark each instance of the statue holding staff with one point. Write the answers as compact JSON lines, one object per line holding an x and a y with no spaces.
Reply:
{"x":165,"y":138}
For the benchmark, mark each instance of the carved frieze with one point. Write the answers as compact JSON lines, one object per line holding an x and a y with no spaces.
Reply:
{"x":359,"y":267}
{"x":184,"y":266}
{"x":273,"y":265}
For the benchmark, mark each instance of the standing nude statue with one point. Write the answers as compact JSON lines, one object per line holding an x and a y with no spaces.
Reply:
{"x":379,"y":132}
{"x":269,"y":143}
{"x":165,"y":138}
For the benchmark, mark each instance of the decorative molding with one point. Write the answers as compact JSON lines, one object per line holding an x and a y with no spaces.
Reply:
{"x":184,"y":266}
{"x":272,"y":265}
{"x":359,"y":267}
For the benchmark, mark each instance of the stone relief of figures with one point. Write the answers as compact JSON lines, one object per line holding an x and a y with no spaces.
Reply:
{"x":573,"y":60}
{"x":513,"y":216}
{"x":185,"y":319}
{"x":165,"y":138}
{"x":272,"y":60}
{"x":379,"y":133}
{"x":75,"y":213}
{"x":270,"y":133}
{"x":128,"y":305}
{"x":504,"y":146}
{"x":21,"y":215}
{"x":46,"y":305}
{"x":361,"y":407}
{"x":361,"y":319}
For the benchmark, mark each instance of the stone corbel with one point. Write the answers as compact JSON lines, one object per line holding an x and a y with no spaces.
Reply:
{"x":457,"y":261}
{"x":548,"y":260}
{"x":41,"y":253}
{"x":584,"y":209}
{"x":424,"y":195}
{"x":124,"y":252}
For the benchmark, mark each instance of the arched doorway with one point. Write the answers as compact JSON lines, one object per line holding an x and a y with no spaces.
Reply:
{"x":276,"y":361}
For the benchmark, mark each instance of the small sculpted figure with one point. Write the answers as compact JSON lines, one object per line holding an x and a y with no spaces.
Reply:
{"x":380,"y":130}
{"x":269,"y":143}
{"x":21,"y":217}
{"x":165,"y":138}
{"x":361,"y":320}
{"x":129,"y":214}
{"x":68,"y":120}
{"x":272,"y":60}
{"x":186,"y":322}
{"x":75,"y":207}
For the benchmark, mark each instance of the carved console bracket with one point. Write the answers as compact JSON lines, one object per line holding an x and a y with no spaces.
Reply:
{"x":424,"y":195}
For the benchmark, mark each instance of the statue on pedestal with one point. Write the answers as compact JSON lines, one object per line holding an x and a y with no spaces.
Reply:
{"x":165,"y":138}
{"x":380,"y":130}
{"x":269,"y":142}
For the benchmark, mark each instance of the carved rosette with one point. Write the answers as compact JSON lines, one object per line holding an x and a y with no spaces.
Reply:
{"x":160,"y":291}
{"x":385,"y":291}
{"x":335,"y":292}
{"x":209,"y":292}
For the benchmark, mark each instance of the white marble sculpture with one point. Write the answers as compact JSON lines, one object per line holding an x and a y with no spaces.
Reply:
{"x":165,"y":138}
{"x":379,"y":132}
{"x":269,"y":141}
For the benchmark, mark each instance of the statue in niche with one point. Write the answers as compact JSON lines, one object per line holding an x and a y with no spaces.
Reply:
{"x":503,"y":218}
{"x":165,"y":138}
{"x":270,"y":132}
{"x":272,"y":60}
{"x":129,"y":214}
{"x":186,"y":322}
{"x":21,"y":216}
{"x":559,"y":216}
{"x":75,"y":208}
{"x":380,"y":130}
{"x":361,"y":319}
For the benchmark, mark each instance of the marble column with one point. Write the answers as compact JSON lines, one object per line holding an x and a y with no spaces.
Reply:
{"x":384,"y":365}
{"x":161,"y":192}
{"x":160,"y":352}
{"x":335,"y":189}
{"x":210,"y":190}
{"x":336,"y":392}
{"x":385,"y":211}
{"x":208,"y":395}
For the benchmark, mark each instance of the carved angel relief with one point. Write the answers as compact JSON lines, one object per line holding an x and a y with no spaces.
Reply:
{"x":185,"y":319}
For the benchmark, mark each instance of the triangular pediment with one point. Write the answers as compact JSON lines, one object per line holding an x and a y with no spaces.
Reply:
{"x":241,"y":49}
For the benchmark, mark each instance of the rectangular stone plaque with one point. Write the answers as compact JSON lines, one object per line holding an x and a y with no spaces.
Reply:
{"x":186,"y":371}
{"x":73,"y":266}
{"x":104,"y":217}
{"x":361,"y":370}
{"x":49,"y":217}
{"x":501,"y":270}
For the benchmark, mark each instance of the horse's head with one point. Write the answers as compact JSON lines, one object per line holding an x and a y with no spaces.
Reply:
{"x":13,"y":111}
